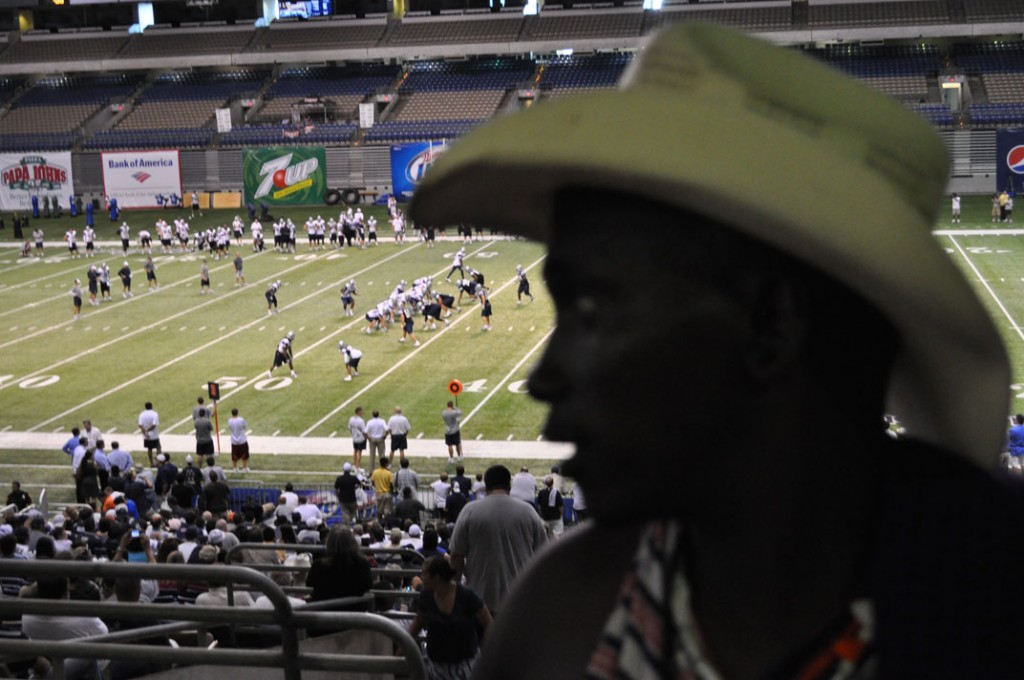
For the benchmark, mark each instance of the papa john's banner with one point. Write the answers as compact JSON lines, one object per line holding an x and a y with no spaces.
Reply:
{"x":34,"y":174}
{"x":135,"y":178}
{"x":285,"y":175}
{"x":409,"y":162}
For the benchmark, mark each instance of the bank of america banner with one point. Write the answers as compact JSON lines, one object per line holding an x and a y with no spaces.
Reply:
{"x":285,"y":175}
{"x":46,"y":175}
{"x":409,"y":162}
{"x":135,"y":178}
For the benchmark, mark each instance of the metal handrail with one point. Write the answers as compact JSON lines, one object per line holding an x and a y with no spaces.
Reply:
{"x":288,"y":619}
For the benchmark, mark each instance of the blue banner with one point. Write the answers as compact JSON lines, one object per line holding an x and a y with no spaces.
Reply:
{"x":409,"y":162}
{"x":1009,"y":160}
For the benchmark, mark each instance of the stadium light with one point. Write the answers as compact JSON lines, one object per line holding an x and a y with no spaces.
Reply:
{"x":654,"y":5}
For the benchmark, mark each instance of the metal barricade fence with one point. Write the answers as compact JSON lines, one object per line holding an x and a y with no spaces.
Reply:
{"x":283,"y":618}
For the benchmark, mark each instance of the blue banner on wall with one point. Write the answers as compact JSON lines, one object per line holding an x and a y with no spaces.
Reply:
{"x":409,"y":162}
{"x":1010,"y":160}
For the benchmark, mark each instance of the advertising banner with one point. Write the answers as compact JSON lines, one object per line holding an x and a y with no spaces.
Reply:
{"x":135,"y":178}
{"x":1010,"y":160}
{"x":409,"y":162}
{"x":34,"y":174}
{"x":285,"y":175}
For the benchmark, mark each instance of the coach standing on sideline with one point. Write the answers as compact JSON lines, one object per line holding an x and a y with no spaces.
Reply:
{"x":149,"y":425}
{"x":398,"y":428}
{"x":376,"y":433}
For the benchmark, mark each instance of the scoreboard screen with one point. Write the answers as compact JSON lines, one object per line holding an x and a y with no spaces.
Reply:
{"x":304,"y":9}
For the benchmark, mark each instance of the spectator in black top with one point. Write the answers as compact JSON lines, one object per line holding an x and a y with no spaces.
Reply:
{"x":409,"y":508}
{"x":452,"y":615}
{"x":455,"y":502}
{"x":17,"y":497}
{"x":345,"y":487}
{"x":549,"y":505}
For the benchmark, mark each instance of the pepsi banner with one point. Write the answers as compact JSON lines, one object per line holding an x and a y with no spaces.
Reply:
{"x":136,"y":178}
{"x":1009,"y":160}
{"x":285,"y":175}
{"x":409,"y":162}
{"x":46,"y":175}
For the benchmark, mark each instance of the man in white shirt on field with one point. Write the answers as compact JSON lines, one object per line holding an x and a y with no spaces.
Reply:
{"x":239,"y":441}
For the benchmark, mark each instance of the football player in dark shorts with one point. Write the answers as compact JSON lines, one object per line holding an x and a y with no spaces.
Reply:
{"x":446,"y":302}
{"x":432,"y":311}
{"x":485,"y":313}
{"x":524,"y":285}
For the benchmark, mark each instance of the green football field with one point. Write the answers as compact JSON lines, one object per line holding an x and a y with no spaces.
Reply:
{"x":164,"y":346}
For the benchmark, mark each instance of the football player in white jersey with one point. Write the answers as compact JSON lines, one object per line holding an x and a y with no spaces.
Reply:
{"x":351,"y":357}
{"x":271,"y":296}
{"x":89,"y":236}
{"x":283,"y":355}
{"x":348,"y":293}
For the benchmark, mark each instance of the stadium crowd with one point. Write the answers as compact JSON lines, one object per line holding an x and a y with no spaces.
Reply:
{"x":171,"y":516}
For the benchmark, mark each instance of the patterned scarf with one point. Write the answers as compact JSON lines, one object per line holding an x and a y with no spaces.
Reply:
{"x":652,"y":632}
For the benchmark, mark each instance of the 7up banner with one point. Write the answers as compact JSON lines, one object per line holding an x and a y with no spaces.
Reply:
{"x":285,"y":175}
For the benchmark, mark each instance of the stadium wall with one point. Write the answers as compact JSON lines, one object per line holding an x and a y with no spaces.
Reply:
{"x":366,"y":167}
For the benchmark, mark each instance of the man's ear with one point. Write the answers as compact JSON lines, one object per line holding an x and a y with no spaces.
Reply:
{"x":778,"y":329}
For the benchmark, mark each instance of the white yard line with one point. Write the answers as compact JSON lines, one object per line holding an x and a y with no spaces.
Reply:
{"x":195,"y":351}
{"x":141,"y":329}
{"x":508,"y":376}
{"x":981,"y":279}
{"x":356,"y":321}
{"x":401,"y":361}
{"x":99,"y":310}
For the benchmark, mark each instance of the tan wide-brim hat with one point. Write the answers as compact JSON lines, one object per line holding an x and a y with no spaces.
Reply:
{"x":786,"y":150}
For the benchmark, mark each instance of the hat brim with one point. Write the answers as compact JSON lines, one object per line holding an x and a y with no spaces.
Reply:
{"x":774,"y":182}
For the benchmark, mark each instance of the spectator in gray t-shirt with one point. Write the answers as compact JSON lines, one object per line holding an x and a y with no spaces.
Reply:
{"x":494,"y":538}
{"x":204,"y":434}
{"x":452,"y":434}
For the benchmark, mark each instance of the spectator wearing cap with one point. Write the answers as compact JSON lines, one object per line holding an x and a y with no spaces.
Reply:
{"x":550,"y":506}
{"x":193,"y":475}
{"x":345,"y":487}
{"x":166,"y":474}
{"x":464,"y":482}
{"x":217,"y":595}
{"x":414,"y":536}
{"x":457,"y":500}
